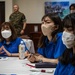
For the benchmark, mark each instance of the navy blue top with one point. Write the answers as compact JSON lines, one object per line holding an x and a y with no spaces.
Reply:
{"x":13,"y":46}
{"x":53,"y":49}
{"x":64,"y":69}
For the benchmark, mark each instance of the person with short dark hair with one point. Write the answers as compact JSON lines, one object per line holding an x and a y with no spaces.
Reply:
{"x":18,"y":20}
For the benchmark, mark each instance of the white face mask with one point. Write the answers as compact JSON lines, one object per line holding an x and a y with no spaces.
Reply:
{"x":46,"y":29}
{"x":6,"y":33}
{"x":72,"y":11}
{"x":68,"y":39}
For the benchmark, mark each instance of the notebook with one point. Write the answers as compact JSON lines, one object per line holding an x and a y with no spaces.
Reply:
{"x":45,"y":65}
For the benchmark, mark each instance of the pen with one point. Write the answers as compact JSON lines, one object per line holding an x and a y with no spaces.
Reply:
{"x":44,"y":71}
{"x":29,"y":56}
{"x":30,"y":65}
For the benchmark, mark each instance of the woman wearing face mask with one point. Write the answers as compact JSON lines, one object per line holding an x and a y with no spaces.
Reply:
{"x":50,"y":45}
{"x":9,"y":42}
{"x":66,"y":65}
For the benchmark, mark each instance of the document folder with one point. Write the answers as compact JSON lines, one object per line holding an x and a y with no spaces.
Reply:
{"x":45,"y":65}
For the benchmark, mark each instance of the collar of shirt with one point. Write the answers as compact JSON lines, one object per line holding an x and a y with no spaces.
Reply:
{"x":47,"y":42}
{"x":4,"y":42}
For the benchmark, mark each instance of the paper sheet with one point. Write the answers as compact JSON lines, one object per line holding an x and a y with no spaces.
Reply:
{"x":3,"y":58}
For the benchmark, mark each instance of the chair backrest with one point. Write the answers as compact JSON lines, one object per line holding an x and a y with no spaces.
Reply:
{"x":25,"y":37}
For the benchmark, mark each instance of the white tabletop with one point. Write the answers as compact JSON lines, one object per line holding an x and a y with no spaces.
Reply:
{"x":13,"y":65}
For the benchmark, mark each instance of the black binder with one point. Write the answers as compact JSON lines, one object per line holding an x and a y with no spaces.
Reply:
{"x":45,"y":65}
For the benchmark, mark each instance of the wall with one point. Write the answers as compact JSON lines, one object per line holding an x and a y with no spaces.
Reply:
{"x":8,"y":8}
{"x":34,"y":9}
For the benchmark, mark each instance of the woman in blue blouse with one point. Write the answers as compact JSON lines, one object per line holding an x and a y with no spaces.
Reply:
{"x":50,"y":45}
{"x":66,"y":65}
{"x":9,"y":42}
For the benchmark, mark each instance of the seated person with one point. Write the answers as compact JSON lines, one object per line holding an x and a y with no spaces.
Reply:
{"x":9,"y":43}
{"x":66,"y":65}
{"x":50,"y":46}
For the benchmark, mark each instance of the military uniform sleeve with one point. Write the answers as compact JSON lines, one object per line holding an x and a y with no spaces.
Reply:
{"x":23,"y":18}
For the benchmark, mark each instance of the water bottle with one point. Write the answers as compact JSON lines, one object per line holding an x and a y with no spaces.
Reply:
{"x":21,"y":50}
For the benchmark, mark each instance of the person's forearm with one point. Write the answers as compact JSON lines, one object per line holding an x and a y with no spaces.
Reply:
{"x":24,"y":25}
{"x":11,"y":54}
{"x":14,"y":54}
{"x":50,"y":60}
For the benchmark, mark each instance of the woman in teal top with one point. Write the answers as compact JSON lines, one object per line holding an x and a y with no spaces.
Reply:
{"x":9,"y":43}
{"x":50,"y":46}
{"x":66,"y":65}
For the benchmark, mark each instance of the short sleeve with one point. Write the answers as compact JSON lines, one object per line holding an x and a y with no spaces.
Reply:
{"x":40,"y":51}
{"x":23,"y":18}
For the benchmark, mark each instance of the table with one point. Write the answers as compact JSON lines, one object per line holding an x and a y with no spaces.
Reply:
{"x":13,"y":65}
{"x":30,"y":45}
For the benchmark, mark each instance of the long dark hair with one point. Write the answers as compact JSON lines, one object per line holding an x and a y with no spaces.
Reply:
{"x":57,"y":21}
{"x":68,"y":55}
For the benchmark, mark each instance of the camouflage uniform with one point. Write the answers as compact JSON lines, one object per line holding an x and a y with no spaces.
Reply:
{"x":17,"y":19}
